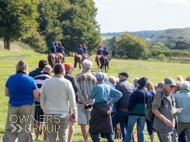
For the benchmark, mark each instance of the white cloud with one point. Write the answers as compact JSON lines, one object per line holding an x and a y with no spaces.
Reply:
{"x":185,"y":3}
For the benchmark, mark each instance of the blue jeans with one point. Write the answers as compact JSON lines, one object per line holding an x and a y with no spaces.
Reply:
{"x":140,"y":123}
{"x":96,"y":137}
{"x":122,"y":118}
{"x":182,"y":137}
{"x":149,"y":127}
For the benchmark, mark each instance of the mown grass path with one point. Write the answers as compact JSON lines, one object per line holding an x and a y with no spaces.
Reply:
{"x":154,"y":71}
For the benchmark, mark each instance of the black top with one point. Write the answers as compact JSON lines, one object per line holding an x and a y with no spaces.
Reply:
{"x":36,"y":72}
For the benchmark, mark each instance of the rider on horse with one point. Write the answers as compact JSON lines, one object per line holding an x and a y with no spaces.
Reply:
{"x":85,"y":50}
{"x":80,"y":51}
{"x":106,"y":53}
{"x":53,"y":50}
{"x":100,"y":50}
{"x":56,"y":45}
{"x":60,"y":49}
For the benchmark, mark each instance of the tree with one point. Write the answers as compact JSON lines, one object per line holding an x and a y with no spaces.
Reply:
{"x":111,"y":44}
{"x":71,"y":21}
{"x":133,"y":47}
{"x":17,"y":19}
{"x":160,"y":46}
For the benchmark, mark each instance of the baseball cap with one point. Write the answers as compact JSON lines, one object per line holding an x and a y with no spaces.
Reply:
{"x":170,"y":81}
{"x":68,"y":65}
{"x":100,"y":76}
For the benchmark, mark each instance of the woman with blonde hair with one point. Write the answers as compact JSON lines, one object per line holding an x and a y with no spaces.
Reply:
{"x":21,"y":90}
{"x":150,"y":87}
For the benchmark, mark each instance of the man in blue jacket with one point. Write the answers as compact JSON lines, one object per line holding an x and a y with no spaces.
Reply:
{"x":80,"y":51}
{"x":100,"y":121}
{"x":137,"y":112}
{"x":106,"y":53}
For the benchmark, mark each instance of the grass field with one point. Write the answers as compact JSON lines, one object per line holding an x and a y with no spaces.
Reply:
{"x":154,"y":71}
{"x":106,"y":37}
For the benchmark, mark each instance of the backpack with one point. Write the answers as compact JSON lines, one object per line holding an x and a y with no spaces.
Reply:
{"x":148,"y":108}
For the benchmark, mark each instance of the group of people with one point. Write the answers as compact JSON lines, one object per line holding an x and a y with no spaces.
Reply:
{"x":93,"y":99}
{"x":57,"y":48}
{"x":103,"y":52}
{"x":82,"y":50}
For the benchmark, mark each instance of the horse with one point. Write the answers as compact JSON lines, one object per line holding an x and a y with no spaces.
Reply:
{"x":60,"y":58}
{"x":98,"y":61}
{"x":105,"y":62}
{"x":51,"y":59}
{"x":78,"y":58}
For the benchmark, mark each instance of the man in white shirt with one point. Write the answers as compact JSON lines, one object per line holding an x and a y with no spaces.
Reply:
{"x":56,"y":95}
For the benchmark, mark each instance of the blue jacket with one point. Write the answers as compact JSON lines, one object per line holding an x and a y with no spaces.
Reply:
{"x":99,"y":51}
{"x":182,"y":100}
{"x":53,"y":49}
{"x":138,"y":100}
{"x":84,"y":49}
{"x":79,"y":51}
{"x":126,"y":89}
{"x":60,"y":49}
{"x":105,"y":52}
{"x":102,"y":93}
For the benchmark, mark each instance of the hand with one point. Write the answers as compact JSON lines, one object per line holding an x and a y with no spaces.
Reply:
{"x":87,"y":103}
{"x":179,"y":110}
{"x":168,"y":122}
{"x":109,"y":102}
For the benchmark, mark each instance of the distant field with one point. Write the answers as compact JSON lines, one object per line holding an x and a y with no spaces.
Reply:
{"x":154,"y":71}
{"x":106,"y":37}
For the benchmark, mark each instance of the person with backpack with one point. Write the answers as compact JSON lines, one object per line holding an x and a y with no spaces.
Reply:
{"x":136,"y":106}
{"x":163,"y":106}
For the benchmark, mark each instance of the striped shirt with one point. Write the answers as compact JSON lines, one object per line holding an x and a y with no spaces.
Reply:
{"x":39,"y":79}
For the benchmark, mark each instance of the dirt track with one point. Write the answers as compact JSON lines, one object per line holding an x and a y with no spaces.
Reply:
{"x":7,"y":58}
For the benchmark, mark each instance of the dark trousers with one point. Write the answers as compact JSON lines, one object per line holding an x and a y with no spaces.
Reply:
{"x":96,"y":137}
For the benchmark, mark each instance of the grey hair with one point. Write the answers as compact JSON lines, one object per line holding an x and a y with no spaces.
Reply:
{"x":185,"y":84}
{"x":47,"y":68}
{"x":112,"y":79}
{"x":106,"y":76}
{"x":87,"y":64}
{"x":135,"y":81}
{"x":180,"y":79}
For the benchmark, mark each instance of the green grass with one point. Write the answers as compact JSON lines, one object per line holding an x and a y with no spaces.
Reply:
{"x":106,"y":37}
{"x":17,"y":49}
{"x":154,"y":71}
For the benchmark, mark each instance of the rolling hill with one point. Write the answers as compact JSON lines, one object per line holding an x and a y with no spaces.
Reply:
{"x":171,"y":33}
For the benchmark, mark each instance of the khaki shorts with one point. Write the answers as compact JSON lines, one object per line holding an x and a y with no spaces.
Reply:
{"x":83,"y":114}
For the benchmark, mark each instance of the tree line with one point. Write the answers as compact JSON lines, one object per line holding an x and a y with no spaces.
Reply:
{"x":39,"y":22}
{"x":135,"y":47}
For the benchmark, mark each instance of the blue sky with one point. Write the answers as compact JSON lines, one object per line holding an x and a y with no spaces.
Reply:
{"x":138,"y":15}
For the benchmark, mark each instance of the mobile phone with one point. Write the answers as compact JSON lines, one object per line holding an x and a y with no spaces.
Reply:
{"x":72,"y":118}
{"x":87,"y":107}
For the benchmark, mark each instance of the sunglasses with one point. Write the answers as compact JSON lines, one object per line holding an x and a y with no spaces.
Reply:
{"x":172,"y":86}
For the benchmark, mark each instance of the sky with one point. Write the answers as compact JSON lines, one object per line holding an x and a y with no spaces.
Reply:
{"x":140,"y":15}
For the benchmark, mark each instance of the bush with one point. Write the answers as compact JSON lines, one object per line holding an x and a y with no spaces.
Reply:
{"x":161,"y":57}
{"x":37,"y":42}
{"x":170,"y":53}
